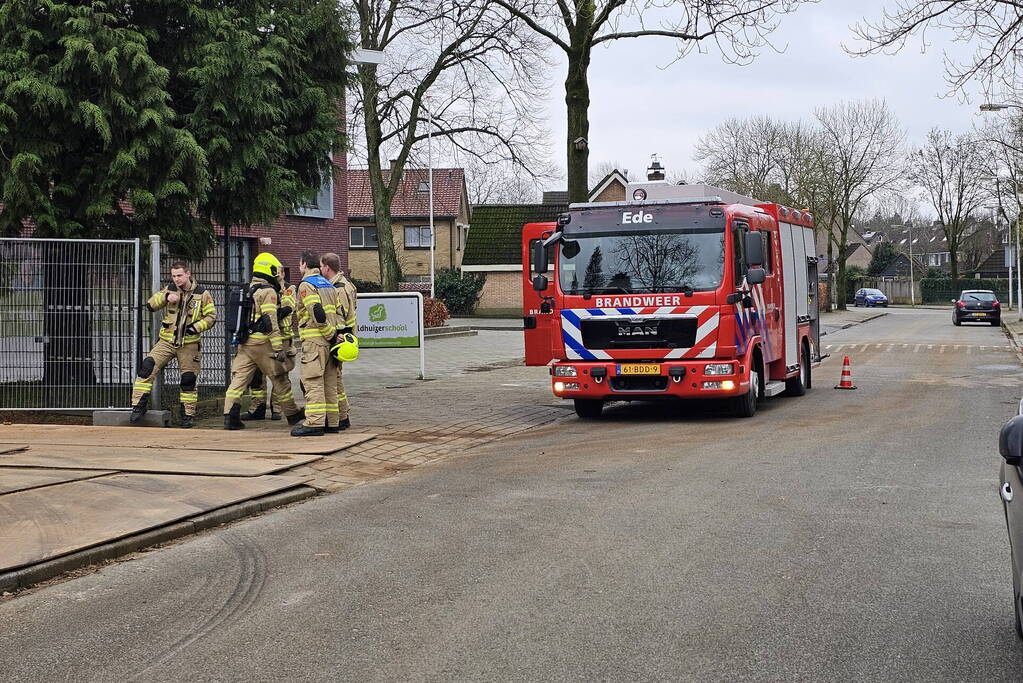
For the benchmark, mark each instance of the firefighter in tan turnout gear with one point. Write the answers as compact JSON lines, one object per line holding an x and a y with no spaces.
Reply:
{"x":317,"y":327}
{"x":330,"y":267}
{"x":188,"y":312}
{"x":260,"y":347}
{"x":258,"y":386}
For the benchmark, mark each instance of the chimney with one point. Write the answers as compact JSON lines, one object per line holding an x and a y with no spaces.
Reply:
{"x":655,"y":172}
{"x":392,"y":163}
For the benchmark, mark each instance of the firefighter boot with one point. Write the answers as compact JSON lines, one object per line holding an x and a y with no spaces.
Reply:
{"x":138,"y":411}
{"x":302,"y":430}
{"x":232,"y":419}
{"x":258,"y":414}
{"x":275,"y":414}
{"x":345,"y":424}
{"x":187,"y":421}
{"x":296,"y":418}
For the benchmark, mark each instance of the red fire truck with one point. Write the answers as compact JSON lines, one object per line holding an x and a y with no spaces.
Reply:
{"x":700,"y":293}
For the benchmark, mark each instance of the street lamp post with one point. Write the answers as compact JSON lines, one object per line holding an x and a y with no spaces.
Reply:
{"x":912,"y":280}
{"x":429,"y":154}
{"x":999,"y":106}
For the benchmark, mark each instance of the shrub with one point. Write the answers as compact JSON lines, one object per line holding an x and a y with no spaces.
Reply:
{"x":459,"y":291}
{"x":434,"y":312}
{"x":366,"y":285}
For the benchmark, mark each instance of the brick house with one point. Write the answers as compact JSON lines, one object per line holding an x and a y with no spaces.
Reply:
{"x":495,"y":244}
{"x":410,"y":222}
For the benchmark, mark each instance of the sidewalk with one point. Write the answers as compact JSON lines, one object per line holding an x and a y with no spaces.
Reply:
{"x":840,"y":320}
{"x":477,"y":390}
{"x":487,"y":323}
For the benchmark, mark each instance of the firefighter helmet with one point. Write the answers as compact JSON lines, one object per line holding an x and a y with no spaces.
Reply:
{"x":266,"y":264}
{"x":346,"y":349}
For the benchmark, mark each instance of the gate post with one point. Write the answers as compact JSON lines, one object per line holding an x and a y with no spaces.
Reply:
{"x":154,"y":321}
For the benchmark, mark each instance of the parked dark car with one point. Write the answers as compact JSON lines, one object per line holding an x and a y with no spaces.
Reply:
{"x":977,"y":306}
{"x":1010,"y":443}
{"x":870,"y":297}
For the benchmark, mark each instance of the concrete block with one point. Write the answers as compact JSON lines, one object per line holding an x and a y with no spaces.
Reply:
{"x":119,"y":418}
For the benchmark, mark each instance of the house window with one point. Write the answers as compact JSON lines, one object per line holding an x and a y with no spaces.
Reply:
{"x":417,"y":237}
{"x":322,"y":205}
{"x":363,"y":237}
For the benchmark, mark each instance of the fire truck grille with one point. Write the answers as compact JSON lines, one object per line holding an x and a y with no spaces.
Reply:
{"x":639,"y":383}
{"x":647,"y":333}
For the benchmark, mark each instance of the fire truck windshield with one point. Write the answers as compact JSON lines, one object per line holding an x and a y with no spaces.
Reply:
{"x":627,"y":262}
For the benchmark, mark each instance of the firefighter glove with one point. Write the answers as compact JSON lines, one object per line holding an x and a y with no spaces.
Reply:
{"x":190,"y":329}
{"x":281,"y":356}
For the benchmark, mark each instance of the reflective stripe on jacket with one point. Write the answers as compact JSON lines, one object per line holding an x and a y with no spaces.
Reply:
{"x":194,"y":307}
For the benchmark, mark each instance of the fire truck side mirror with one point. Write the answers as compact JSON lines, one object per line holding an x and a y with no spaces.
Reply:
{"x":540,"y":283}
{"x":756,"y":276}
{"x":539,"y":260}
{"x":754,"y":249}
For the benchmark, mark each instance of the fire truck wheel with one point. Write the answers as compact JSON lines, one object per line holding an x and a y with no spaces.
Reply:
{"x":798,"y":385}
{"x":746,"y":405}
{"x":589,"y":408}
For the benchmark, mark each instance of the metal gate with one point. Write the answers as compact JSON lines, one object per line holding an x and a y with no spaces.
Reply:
{"x":217,"y":352}
{"x":70,"y":323}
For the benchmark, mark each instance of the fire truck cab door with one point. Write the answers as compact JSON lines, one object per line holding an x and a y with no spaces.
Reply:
{"x":538,"y":325}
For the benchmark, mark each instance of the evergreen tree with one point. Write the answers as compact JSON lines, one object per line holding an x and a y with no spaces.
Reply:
{"x":884,"y":254}
{"x":193,"y":112}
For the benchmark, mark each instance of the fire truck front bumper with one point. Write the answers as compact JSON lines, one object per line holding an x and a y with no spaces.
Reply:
{"x":635,"y":380}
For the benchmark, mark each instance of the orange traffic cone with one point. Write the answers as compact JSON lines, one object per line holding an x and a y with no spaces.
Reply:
{"x":846,"y":382}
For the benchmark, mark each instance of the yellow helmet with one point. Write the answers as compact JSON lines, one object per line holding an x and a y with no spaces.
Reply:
{"x":267,"y":264}
{"x":346,"y":349}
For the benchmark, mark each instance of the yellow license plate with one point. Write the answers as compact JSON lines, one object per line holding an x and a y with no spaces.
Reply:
{"x":639,"y":369}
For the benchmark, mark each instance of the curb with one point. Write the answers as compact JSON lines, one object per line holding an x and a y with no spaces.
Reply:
{"x":1017,"y":344}
{"x":23,"y":578}
{"x":865,"y":320}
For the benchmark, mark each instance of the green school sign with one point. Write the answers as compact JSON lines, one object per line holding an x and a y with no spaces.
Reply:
{"x":389,"y":321}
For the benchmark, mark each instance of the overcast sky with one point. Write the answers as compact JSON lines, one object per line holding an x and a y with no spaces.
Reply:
{"x":639,"y":108}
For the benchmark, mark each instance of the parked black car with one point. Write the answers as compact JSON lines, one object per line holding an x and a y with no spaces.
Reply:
{"x":1010,"y":443}
{"x":977,"y":306}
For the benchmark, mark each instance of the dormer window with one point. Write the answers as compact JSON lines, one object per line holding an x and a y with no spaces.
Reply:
{"x":424,"y":187}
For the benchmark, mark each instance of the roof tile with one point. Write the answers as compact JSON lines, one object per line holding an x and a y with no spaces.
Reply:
{"x":495,"y":237}
{"x":409,"y":201}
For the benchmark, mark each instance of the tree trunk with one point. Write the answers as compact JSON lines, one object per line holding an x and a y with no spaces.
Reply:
{"x":577,"y":99}
{"x":840,"y":285}
{"x":831,"y":269}
{"x":390,"y":273}
{"x":953,"y":262}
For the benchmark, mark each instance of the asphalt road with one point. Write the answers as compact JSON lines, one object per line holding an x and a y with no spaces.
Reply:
{"x":842,"y":535}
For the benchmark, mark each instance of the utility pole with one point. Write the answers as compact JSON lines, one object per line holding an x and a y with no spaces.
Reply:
{"x":913,"y":280}
{"x":429,"y":154}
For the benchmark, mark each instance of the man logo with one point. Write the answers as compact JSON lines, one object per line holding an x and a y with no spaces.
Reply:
{"x":637,"y":330}
{"x":377,"y":313}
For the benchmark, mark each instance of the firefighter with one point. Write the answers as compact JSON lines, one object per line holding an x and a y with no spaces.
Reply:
{"x":258,"y":386}
{"x":330,"y":266}
{"x":189,"y":312}
{"x":260,"y":348}
{"x":317,"y":326}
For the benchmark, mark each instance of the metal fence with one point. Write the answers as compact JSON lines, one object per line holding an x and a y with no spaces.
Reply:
{"x":217,"y":352}
{"x":70,"y":323}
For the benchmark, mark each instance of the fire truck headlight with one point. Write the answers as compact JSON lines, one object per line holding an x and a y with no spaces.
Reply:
{"x":718,"y":369}
{"x":728,"y":385}
{"x":559,"y":387}
{"x":564,"y":371}
{"x":562,"y":387}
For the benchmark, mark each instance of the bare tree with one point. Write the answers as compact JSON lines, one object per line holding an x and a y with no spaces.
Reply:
{"x":993,"y":27}
{"x":500,"y":183}
{"x":860,"y":145}
{"x":1002,"y":156}
{"x":738,"y":28}
{"x":743,"y":155}
{"x":601,"y":170}
{"x":467,"y":61}
{"x":949,"y":169}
